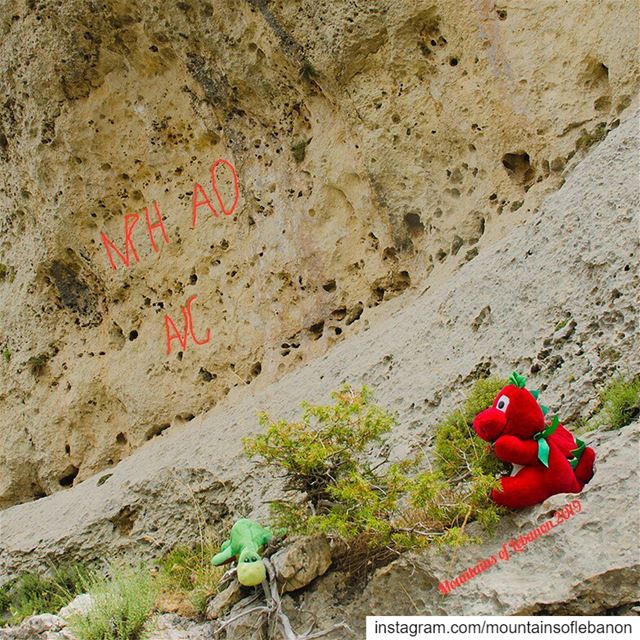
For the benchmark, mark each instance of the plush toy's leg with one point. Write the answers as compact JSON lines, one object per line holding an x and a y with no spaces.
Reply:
{"x":533,"y":485}
{"x":267,"y":536}
{"x":225,"y":554}
{"x":584,"y":470}
{"x":522,"y":490}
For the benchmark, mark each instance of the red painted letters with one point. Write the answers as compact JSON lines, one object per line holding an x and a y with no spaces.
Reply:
{"x":157,"y":225}
{"x":199,"y":199}
{"x":236,"y":189}
{"x":197,"y":188}
{"x":187,"y":316}
{"x":128,"y":240}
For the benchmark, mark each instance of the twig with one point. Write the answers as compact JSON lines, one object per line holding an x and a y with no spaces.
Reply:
{"x":237,"y":376}
{"x":227,"y":576}
{"x":246,"y":612}
{"x":273,"y":607}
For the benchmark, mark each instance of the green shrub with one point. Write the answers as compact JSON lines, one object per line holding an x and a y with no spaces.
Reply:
{"x":618,"y":406}
{"x":37,"y":363}
{"x":187,"y":575}
{"x":123,"y":605}
{"x":326,"y":446}
{"x":31,"y":594}
{"x":6,"y":354}
{"x":620,"y":402}
{"x":458,"y":453}
{"x":326,"y":458}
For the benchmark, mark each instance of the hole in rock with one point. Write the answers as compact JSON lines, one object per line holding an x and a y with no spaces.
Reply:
{"x":207,"y":376}
{"x":256,"y":369}
{"x":316,"y":330}
{"x":413,"y":222}
{"x":156,"y":430}
{"x":518,"y":166}
{"x":67,"y":479}
{"x":329,"y":286}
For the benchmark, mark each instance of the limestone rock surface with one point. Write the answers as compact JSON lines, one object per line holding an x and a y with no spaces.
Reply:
{"x":378,"y":146}
{"x":41,"y":627}
{"x":80,"y":605}
{"x":555,"y":299}
{"x":300,"y":562}
{"x":224,"y":600}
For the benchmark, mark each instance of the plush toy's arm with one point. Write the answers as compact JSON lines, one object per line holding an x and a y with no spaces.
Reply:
{"x":516,"y":451}
{"x":225,"y":554}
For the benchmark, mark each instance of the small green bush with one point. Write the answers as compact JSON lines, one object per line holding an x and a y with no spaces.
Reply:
{"x":123,"y":605}
{"x":186,"y":573}
{"x":459,"y":453}
{"x":326,"y":445}
{"x":37,"y":363}
{"x":618,"y":406}
{"x":620,"y":402}
{"x":31,"y":594}
{"x":6,"y":354}
{"x":326,"y":458}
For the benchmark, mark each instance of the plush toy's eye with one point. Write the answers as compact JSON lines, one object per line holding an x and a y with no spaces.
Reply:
{"x":503,"y":403}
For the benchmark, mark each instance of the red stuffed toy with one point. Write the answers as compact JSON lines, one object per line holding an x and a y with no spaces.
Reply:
{"x":551,"y":459}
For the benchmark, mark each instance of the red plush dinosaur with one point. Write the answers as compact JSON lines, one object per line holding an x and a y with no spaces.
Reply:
{"x":547,"y":459}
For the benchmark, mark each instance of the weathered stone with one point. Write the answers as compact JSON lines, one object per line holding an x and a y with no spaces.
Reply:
{"x":170,"y":626}
{"x":378,"y":145}
{"x":80,"y":605}
{"x":301,"y":561}
{"x":224,"y":600}
{"x":40,"y":627}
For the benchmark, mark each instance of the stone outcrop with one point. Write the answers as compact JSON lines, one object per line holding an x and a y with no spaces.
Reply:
{"x":42,"y":627}
{"x":555,"y":299}
{"x":379,"y":147}
{"x":430,"y":192}
{"x":301,"y":562}
{"x":588,"y":564}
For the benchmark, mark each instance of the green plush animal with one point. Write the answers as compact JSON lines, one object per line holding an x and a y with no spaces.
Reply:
{"x":245,"y":543}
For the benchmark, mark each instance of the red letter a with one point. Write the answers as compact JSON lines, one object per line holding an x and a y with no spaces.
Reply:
{"x":197,"y":188}
{"x":182,"y":340}
{"x":188,"y":328}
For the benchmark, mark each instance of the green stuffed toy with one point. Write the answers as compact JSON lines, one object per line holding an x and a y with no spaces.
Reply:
{"x":245,"y":543}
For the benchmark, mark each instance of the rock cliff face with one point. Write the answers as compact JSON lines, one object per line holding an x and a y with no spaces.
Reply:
{"x":430,"y":192}
{"x":379,"y":147}
{"x":555,"y":298}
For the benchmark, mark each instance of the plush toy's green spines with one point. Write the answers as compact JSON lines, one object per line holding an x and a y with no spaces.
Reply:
{"x":520,"y":381}
{"x":245,"y":543}
{"x":517,"y":380}
{"x":543,"y":447}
